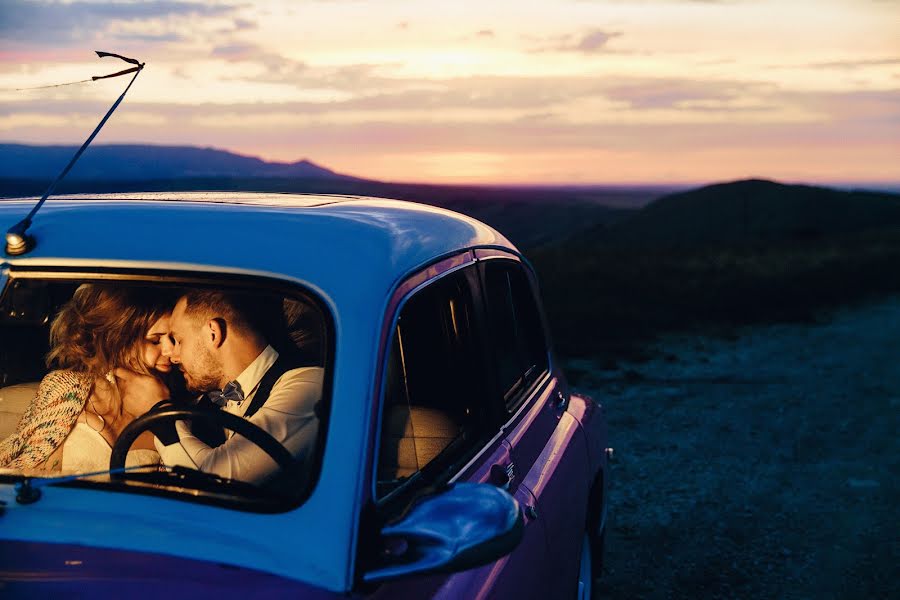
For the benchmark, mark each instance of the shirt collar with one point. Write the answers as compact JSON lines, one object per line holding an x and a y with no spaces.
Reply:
{"x":251,"y":376}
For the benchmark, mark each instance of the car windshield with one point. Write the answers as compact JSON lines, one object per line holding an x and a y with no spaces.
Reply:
{"x":203,"y":389}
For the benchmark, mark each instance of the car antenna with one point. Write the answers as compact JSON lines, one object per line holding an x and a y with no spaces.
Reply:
{"x":17,"y":239}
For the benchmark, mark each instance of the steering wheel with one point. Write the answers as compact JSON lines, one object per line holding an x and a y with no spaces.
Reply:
{"x":226,"y":420}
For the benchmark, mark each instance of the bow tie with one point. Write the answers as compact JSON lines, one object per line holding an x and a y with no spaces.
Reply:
{"x":232,"y":392}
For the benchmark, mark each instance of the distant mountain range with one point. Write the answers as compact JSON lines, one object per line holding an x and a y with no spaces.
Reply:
{"x":588,"y":216}
{"x":124,"y":162}
{"x":528,"y":215}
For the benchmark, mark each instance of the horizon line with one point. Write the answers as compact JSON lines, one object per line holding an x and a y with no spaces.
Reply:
{"x":678,"y":184}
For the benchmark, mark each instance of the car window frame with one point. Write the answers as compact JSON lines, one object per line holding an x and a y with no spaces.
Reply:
{"x":398,"y":499}
{"x":184,"y":278}
{"x":529,"y":391}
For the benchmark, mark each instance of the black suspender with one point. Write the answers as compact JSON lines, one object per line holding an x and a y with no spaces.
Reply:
{"x":290,"y":482}
{"x":279,"y":368}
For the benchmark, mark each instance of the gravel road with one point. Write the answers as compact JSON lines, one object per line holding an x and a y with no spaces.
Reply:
{"x":764,"y":465}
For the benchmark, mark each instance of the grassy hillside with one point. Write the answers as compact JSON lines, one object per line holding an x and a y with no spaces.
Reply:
{"x":696,"y":260}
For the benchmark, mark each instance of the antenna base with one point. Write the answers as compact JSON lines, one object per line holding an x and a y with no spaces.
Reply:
{"x":18,"y":242}
{"x":26,"y":493}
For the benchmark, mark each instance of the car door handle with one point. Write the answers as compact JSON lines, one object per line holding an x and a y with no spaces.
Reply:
{"x":562,"y":402}
{"x":502,"y":475}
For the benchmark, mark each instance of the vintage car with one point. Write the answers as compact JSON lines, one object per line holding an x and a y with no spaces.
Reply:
{"x":452,"y":460}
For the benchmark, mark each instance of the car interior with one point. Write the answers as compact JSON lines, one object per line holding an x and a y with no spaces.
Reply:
{"x":291,"y":322}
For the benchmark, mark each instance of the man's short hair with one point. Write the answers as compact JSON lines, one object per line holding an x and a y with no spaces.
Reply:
{"x":202,"y":305}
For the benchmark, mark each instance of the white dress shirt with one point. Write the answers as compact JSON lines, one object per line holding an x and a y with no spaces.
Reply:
{"x":288,"y":416}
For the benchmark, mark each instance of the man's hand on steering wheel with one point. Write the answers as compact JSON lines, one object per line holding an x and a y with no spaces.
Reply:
{"x":167,"y":413}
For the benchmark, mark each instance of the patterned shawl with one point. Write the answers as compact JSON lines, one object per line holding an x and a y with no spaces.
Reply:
{"x":47,"y":421}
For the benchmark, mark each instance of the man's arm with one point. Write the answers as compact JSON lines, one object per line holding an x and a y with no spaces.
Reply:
{"x":288,"y":416}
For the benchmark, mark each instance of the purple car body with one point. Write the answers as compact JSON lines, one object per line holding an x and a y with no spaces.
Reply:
{"x":511,"y":503}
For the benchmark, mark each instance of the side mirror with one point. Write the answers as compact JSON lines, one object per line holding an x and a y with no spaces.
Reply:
{"x":469,"y":525}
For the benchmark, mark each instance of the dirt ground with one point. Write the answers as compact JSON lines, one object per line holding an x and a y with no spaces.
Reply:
{"x":764,"y":465}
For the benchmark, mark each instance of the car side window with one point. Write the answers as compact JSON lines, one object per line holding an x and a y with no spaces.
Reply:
{"x":432,"y":413}
{"x":515,"y":328}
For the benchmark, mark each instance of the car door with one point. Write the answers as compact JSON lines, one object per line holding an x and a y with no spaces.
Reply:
{"x":437,"y":427}
{"x":547,"y":444}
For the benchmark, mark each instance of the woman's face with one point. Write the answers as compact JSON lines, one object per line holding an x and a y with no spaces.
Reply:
{"x":155,"y":348}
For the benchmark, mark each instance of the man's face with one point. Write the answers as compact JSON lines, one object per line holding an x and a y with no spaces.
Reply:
{"x":192,"y":350}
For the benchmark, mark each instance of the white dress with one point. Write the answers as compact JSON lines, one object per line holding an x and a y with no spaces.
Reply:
{"x":86,"y":451}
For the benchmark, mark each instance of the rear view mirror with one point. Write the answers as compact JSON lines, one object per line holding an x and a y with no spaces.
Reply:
{"x":469,"y":525}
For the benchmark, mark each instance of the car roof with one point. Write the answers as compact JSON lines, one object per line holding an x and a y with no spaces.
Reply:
{"x":316,"y":238}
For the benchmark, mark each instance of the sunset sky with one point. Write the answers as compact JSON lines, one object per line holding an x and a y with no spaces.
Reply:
{"x":493,"y":91}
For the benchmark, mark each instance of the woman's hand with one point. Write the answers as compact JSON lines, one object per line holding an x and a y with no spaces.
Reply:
{"x":139,"y":392}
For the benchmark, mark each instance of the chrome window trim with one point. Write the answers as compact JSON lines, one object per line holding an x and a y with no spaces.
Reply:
{"x":528,"y":400}
{"x":533,"y":391}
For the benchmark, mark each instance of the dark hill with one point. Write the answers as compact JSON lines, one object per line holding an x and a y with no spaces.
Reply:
{"x":720,"y":256}
{"x":121,"y":162}
{"x":755,"y":210}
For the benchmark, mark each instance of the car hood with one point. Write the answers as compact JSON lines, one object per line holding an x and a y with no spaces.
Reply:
{"x":42,"y":570}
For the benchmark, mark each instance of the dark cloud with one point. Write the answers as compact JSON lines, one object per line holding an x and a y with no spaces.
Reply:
{"x":469,"y":94}
{"x":536,"y":96}
{"x":59,"y":23}
{"x":853,"y":64}
{"x":591,"y":42}
{"x":595,"y":40}
{"x":156,"y":37}
{"x":552,"y":134}
{"x":238,"y":51}
{"x":360,"y":78}
{"x":548,"y":94}
{"x":484,"y":93}
{"x":538,"y":93}
{"x":238,"y":25}
{"x":277,"y":68}
{"x":244,"y":24}
{"x":842,"y":125}
{"x":504,"y":135}
{"x":676,"y":93}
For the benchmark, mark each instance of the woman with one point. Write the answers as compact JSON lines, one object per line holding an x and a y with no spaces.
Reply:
{"x":101,"y":337}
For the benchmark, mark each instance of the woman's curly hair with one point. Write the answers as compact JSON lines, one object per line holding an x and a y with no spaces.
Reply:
{"x":98,"y":330}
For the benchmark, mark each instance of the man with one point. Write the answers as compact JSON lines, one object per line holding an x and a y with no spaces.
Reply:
{"x":222,"y":354}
